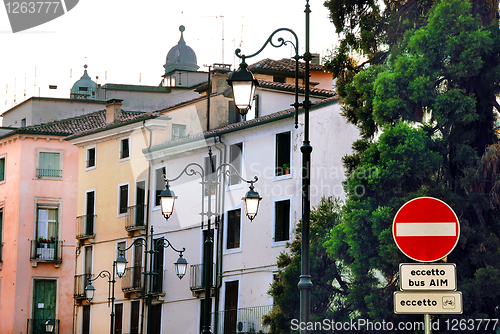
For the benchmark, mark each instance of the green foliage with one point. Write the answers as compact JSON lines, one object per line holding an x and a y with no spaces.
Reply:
{"x":327,"y":275}
{"x":425,"y":112}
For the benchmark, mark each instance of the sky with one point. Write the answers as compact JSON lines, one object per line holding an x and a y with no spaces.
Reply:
{"x":127,"y":41}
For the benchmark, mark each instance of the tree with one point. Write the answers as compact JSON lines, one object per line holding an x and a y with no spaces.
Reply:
{"x":430,"y":97}
{"x":327,"y":274}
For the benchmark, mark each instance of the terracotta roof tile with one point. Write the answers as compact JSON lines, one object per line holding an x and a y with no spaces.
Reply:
{"x":283,"y":65}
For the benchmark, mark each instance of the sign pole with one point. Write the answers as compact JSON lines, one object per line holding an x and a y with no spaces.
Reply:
{"x":427,"y":323}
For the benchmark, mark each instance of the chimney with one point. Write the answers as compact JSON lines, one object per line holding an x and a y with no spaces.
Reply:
{"x":220,"y":72}
{"x":113,"y":110}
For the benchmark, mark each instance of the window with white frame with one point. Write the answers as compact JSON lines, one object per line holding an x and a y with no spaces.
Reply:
{"x":159,"y":184}
{"x":122,"y":199}
{"x":282,"y":220}
{"x":178,"y":131}
{"x":235,"y":158}
{"x":49,"y":164}
{"x":233,"y":229}
{"x":46,"y":227}
{"x":283,"y":153}
{"x":91,"y":157}
{"x":124,"y":148}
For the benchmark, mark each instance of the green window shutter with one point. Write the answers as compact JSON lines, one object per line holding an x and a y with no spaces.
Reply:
{"x":2,"y":169}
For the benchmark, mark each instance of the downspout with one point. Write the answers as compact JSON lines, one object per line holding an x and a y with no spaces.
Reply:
{"x":219,"y":225}
{"x":75,"y":306}
{"x":147,"y":212}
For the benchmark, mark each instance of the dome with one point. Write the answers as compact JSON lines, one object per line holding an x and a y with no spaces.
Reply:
{"x":181,"y":56}
{"x":84,"y":88}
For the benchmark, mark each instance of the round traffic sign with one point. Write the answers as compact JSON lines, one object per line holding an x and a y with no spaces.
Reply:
{"x":426,"y":229}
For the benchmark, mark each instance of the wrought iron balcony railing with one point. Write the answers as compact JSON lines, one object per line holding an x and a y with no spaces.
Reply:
{"x":36,"y":326}
{"x":133,"y":280}
{"x":46,"y":252}
{"x":81,"y":281}
{"x":136,"y":217}
{"x":41,"y":173}
{"x":197,"y":277}
{"x":241,"y":320}
{"x":85,"y":226}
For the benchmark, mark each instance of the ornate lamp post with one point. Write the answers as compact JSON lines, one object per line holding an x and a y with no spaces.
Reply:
{"x":243,"y":84}
{"x":209,"y":183}
{"x":90,"y":290}
{"x":180,"y":264}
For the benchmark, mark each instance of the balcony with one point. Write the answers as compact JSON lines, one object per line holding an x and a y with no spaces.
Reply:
{"x":136,"y":218}
{"x":242,"y":320}
{"x":81,"y":281}
{"x":85,"y":227}
{"x":36,"y":326}
{"x":48,"y":173}
{"x":46,"y":252}
{"x":197,"y":280}
{"x":133,"y":280}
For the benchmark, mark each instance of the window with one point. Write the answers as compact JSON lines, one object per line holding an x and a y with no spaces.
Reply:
{"x":125,"y":148}
{"x":283,"y":153}
{"x":235,"y":158}
{"x":279,"y":79}
{"x":160,"y":184}
{"x":91,"y":157}
{"x":282,"y":220}
{"x":253,"y":112}
{"x":2,"y":169}
{"x":233,"y":229}
{"x":210,"y":166}
{"x":49,"y":165}
{"x":46,"y":234}
{"x":123,"y":199}
{"x":23,"y":122}
{"x":178,"y":131}
{"x":134,"y":316}
{"x":234,"y":113}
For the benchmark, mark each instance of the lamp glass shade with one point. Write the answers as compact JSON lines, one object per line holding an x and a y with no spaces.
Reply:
{"x":49,"y":326}
{"x":121,"y":263}
{"x":243,"y":92}
{"x":180,"y":267}
{"x":252,"y":207}
{"x":167,"y":200}
{"x":167,"y":206}
{"x":89,"y":292}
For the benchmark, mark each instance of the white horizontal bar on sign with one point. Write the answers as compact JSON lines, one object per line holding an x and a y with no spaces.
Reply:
{"x":426,"y":229}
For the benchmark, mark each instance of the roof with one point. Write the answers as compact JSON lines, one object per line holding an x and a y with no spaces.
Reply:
{"x":39,"y":98}
{"x":271,"y":66}
{"x":81,"y":125}
{"x":240,"y":126}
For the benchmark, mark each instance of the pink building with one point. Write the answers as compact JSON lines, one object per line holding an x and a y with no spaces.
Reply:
{"x":38,"y":183}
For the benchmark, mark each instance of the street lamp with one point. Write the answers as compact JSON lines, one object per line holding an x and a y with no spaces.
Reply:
{"x":241,"y":79}
{"x":180,"y":265}
{"x":209,"y":182}
{"x":90,"y":291}
{"x":49,"y":326}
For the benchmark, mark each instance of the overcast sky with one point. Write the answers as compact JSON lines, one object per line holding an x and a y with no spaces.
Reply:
{"x":128,"y":41}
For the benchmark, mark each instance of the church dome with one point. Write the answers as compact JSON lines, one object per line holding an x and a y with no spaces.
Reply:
{"x":181,"y":57}
{"x":84,"y":88}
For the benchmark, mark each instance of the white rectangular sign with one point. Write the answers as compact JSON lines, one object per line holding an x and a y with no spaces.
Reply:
{"x":446,"y":302}
{"x":420,"y":277}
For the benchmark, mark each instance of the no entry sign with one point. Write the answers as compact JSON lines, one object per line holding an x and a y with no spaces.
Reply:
{"x":426,"y":229}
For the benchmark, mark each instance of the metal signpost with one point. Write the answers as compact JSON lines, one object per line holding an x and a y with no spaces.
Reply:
{"x":426,"y":229}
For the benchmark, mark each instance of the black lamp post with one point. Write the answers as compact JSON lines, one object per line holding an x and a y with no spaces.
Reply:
{"x":209,"y":183}
{"x":90,"y":290}
{"x":180,"y":265}
{"x":243,"y":82}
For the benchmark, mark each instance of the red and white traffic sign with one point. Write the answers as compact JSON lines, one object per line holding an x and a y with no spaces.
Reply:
{"x":426,"y":229}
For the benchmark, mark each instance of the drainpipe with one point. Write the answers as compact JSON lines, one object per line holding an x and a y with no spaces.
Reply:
{"x":75,"y":307}
{"x":220,"y":227}
{"x":147,"y":211}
